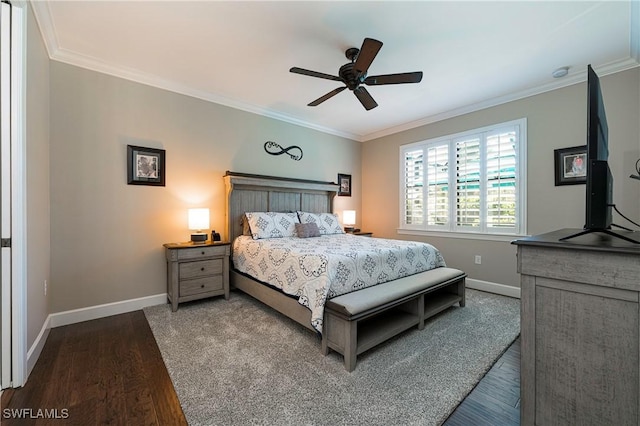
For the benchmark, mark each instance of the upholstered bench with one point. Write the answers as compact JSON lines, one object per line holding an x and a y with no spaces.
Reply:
{"x":361,"y":320}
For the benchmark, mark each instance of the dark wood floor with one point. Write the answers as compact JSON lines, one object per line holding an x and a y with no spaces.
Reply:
{"x":102,"y":372}
{"x":496,"y":398}
{"x":110,"y":372}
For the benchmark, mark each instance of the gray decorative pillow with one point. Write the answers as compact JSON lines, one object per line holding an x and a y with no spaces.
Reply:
{"x":272,"y":224}
{"x":306,"y":230}
{"x":327,"y":223}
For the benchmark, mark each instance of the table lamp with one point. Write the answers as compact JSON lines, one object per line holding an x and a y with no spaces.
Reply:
{"x":198,"y":221}
{"x":349,"y":220}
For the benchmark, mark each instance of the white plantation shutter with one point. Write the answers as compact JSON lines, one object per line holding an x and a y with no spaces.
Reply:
{"x":437,"y":185}
{"x":471,"y":182}
{"x":501,"y":193}
{"x":414,"y":187}
{"x":468,"y":172}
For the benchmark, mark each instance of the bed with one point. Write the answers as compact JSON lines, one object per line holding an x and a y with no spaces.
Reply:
{"x":289,"y":198}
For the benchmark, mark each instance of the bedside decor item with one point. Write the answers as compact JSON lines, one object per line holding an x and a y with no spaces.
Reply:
{"x":215,"y":236}
{"x":344,"y":181}
{"x":273,"y":148}
{"x":349,"y":220}
{"x":570,"y":165}
{"x":145,"y":166}
{"x":198,"y":221}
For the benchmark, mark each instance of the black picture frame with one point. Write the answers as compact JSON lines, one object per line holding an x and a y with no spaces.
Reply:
{"x":570,"y":165}
{"x":145,"y":166}
{"x":344,"y":182}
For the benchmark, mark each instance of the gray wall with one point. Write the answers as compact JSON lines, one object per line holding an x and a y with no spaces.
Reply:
{"x":106,"y":235}
{"x":37,"y":184}
{"x":556,"y":119}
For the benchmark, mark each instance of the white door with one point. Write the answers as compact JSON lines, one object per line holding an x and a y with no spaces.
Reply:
{"x":5,"y":193}
{"x":13,"y":318}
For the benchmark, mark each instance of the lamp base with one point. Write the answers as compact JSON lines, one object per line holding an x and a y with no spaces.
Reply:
{"x":351,"y":229}
{"x":199,"y":238}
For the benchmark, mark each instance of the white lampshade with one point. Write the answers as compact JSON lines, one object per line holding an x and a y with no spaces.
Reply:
{"x":198,"y":219}
{"x":349,"y":217}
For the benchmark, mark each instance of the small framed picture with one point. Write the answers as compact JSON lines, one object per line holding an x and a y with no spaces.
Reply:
{"x":571,"y":165}
{"x":145,"y":166}
{"x":345,"y":185}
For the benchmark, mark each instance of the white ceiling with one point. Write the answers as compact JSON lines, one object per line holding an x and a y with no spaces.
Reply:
{"x":237,"y":53}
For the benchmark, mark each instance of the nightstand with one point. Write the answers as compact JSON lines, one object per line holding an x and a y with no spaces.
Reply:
{"x":196,"y":271}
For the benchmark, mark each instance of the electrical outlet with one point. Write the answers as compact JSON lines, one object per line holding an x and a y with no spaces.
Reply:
{"x":478,"y":259}
{"x":45,"y":287}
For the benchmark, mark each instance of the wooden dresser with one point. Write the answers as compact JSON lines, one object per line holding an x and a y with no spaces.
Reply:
{"x":196,"y":271}
{"x":580,"y":329}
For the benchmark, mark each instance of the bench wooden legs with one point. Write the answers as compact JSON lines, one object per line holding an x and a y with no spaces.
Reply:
{"x":421,"y":312}
{"x":461,"y":293}
{"x":351,"y":346}
{"x":343,"y":335}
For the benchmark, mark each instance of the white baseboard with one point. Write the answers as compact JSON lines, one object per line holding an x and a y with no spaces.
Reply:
{"x":505,"y":290}
{"x":100,"y":311}
{"x":36,"y":349}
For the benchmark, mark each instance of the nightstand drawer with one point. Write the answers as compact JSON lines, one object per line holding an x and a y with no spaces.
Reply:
{"x":201,"y":285}
{"x":201,"y":268}
{"x":202,"y":252}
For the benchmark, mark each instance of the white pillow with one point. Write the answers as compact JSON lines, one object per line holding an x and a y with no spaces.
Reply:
{"x":272,"y":224}
{"x":327,"y":223}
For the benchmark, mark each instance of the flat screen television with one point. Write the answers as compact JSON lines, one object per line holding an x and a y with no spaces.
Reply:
{"x":599,"y":191}
{"x":599,"y":184}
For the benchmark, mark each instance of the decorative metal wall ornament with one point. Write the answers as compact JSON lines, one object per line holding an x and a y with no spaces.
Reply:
{"x":275,"y":149}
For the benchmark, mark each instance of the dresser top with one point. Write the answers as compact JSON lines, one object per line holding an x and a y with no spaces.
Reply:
{"x":190,"y":244}
{"x":596,"y":241}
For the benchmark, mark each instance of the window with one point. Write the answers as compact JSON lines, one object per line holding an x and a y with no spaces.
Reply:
{"x":471,"y":182}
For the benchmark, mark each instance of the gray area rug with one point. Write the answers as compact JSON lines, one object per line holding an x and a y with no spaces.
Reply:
{"x":239,"y":362}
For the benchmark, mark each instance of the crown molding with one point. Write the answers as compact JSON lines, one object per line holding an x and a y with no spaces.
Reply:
{"x":634,"y":30}
{"x":98,"y":65}
{"x":42,"y":12}
{"x":571,"y":79}
{"x":45,"y":22}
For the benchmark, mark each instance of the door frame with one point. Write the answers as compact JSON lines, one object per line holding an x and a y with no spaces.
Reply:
{"x":17,"y":314}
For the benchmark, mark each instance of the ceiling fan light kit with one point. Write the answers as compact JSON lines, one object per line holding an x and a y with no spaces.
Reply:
{"x":354,"y":74}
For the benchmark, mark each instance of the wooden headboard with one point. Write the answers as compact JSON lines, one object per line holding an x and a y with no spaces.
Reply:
{"x":257,"y":193}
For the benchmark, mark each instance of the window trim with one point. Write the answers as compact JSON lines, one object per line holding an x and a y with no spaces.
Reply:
{"x":452,"y":229}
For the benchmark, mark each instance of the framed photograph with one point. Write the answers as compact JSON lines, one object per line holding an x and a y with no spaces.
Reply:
{"x":571,"y":165}
{"x":345,"y":185}
{"x":145,"y":166}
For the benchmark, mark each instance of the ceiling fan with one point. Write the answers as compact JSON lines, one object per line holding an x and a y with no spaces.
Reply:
{"x":354,"y":74}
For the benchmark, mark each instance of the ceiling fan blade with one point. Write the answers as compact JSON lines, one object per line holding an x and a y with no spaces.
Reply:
{"x":310,"y":73}
{"x":367,"y":54}
{"x":331,"y":94}
{"x":407,"y":77}
{"x":365,"y":98}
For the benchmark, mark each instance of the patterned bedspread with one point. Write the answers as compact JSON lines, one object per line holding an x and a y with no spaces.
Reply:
{"x":315,"y":269}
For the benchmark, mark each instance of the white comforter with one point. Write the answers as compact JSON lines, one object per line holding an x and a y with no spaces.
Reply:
{"x":315,"y":269}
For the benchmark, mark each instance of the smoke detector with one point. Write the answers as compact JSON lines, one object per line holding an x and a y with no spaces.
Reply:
{"x":560,"y":72}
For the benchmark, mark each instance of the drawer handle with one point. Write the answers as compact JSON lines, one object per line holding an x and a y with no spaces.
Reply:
{"x":203,"y":253}
{"x":202,"y":286}
{"x":202,"y":269}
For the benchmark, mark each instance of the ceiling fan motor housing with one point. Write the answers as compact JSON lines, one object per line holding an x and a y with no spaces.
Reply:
{"x":347,"y":75}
